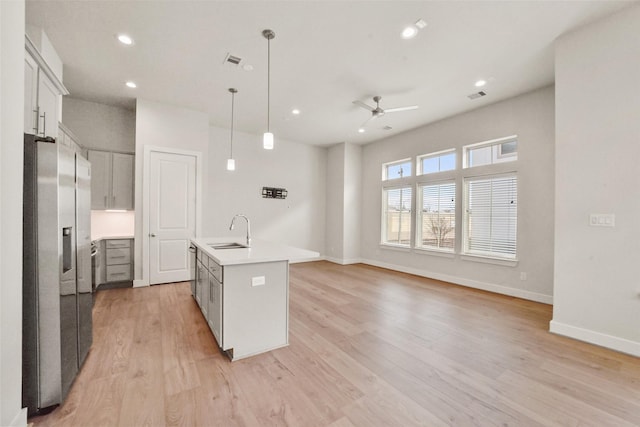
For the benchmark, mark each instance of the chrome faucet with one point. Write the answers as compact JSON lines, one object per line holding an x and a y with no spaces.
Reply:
{"x":248,"y":227}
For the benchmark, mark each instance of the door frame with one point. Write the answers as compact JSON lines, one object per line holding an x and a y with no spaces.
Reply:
{"x":146,"y":183}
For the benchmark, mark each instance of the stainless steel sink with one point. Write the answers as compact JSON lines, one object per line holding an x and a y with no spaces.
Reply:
{"x":227,"y":245}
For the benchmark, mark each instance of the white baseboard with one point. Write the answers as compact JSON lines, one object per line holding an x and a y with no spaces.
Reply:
{"x":491,"y":287}
{"x":139,"y":283}
{"x":615,"y":343}
{"x":343,"y":261}
{"x":20,"y":420}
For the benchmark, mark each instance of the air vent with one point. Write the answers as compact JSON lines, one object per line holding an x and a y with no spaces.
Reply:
{"x":476,"y":95}
{"x":232,"y":60}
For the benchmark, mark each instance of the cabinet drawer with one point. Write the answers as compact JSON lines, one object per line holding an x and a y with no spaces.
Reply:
{"x":215,"y":269}
{"x":119,"y":243}
{"x":118,"y":256}
{"x":117,"y":273}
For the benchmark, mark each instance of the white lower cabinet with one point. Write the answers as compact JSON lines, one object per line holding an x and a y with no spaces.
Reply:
{"x":215,"y":309}
{"x":245,"y":305}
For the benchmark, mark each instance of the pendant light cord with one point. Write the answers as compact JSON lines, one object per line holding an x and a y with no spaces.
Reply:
{"x":233,"y":96}
{"x":268,"y":84}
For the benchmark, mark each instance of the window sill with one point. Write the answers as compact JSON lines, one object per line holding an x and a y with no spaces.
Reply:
{"x":400,"y":248}
{"x":435,"y":252}
{"x":489,"y":260}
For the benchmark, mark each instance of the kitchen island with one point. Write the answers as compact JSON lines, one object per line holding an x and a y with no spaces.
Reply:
{"x":243,"y":292}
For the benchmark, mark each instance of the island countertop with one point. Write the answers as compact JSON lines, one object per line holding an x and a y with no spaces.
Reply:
{"x":260,"y":251}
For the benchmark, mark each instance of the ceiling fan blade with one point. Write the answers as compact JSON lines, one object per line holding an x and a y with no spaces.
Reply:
{"x":395,"y":110}
{"x":363,"y":105}
{"x":373,"y":116}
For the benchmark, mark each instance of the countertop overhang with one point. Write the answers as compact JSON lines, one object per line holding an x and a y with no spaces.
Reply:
{"x":260,"y":251}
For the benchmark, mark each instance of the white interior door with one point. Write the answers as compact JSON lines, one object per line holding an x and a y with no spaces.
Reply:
{"x":172,"y":216}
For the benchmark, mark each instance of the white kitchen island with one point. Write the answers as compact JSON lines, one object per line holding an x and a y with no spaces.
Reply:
{"x":243,"y":293}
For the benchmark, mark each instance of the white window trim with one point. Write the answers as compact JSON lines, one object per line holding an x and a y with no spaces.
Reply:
{"x":418,"y":205}
{"x":382,"y":215}
{"x":486,"y":258}
{"x":491,"y":142}
{"x":419,"y":159}
{"x":385,"y":166}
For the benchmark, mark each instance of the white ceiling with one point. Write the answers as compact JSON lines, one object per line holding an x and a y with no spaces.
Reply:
{"x":325,"y":55}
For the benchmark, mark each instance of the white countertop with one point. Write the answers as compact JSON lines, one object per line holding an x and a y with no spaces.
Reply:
{"x":97,"y":238}
{"x":260,"y":251}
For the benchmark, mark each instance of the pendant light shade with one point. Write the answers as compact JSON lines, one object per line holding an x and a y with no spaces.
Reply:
{"x":267,"y":141}
{"x":267,"y":138}
{"x":231,"y":163}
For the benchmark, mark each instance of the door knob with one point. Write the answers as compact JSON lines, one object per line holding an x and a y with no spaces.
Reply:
{"x":152,"y":234}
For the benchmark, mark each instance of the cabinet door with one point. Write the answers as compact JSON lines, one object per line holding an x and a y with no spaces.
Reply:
{"x":100,"y":178}
{"x":122,"y":182}
{"x":30,"y":95}
{"x":215,"y":311}
{"x":48,"y":106}
{"x":201,"y":274}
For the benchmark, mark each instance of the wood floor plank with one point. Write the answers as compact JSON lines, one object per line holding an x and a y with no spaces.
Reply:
{"x":368,"y":347}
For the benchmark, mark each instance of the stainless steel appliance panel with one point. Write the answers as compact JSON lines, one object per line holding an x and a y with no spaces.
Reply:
{"x":83,"y":257}
{"x":68,"y":271}
{"x":53,"y":212}
{"x":49,"y":246}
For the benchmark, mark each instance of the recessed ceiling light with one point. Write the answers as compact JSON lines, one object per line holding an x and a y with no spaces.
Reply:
{"x":131,"y":85}
{"x":295,"y":111}
{"x":361,"y":130}
{"x":409,"y":32}
{"x":125,"y":39}
{"x":480,"y":83}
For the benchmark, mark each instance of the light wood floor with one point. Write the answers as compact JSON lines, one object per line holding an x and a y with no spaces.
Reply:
{"x":368,"y":347}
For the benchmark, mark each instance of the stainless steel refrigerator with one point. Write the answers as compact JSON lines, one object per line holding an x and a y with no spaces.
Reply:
{"x":57,"y":300}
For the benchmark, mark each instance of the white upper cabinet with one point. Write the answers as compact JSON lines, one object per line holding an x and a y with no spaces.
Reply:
{"x":48,"y":104}
{"x":122,"y":181}
{"x":42,"y":94}
{"x":30,"y":95}
{"x":111,"y":180}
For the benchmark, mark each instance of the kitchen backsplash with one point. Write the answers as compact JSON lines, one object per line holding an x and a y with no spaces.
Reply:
{"x":111,"y":224}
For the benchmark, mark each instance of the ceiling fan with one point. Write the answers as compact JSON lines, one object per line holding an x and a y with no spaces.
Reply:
{"x":377,"y":112}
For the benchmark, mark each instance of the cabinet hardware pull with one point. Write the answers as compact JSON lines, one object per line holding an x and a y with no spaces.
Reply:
{"x":44,"y":123}
{"x":37,"y":111}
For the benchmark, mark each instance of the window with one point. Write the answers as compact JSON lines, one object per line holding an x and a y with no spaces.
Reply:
{"x":491,"y":152}
{"x":437,"y":162}
{"x":396,"y":216}
{"x":394,"y":170}
{"x":436,"y":220}
{"x":490,"y":223}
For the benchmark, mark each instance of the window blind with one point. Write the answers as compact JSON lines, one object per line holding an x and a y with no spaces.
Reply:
{"x":396,"y":222}
{"x":437,"y":217}
{"x":491,"y":216}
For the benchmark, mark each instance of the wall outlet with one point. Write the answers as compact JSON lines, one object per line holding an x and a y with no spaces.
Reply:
{"x":523,"y":275}
{"x":258,"y":281}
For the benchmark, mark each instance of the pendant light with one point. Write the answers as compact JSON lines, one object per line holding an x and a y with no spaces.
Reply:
{"x":267,"y":138}
{"x":231,"y":163}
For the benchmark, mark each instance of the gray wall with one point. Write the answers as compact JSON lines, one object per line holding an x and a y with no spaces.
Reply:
{"x":99,"y":126}
{"x":597,"y":293}
{"x":531,"y":117}
{"x":298,"y":220}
